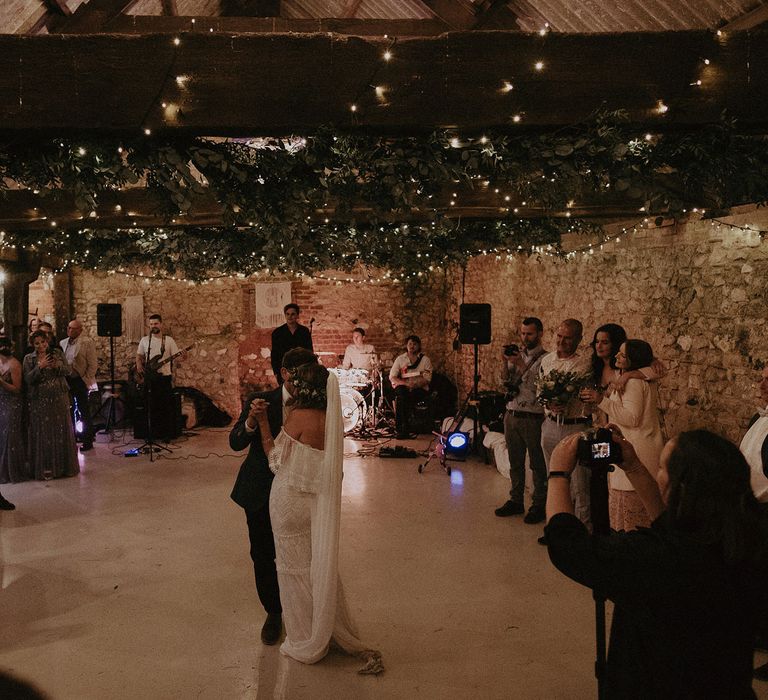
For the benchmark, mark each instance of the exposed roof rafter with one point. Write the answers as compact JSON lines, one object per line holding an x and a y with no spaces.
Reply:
{"x":750,"y":20}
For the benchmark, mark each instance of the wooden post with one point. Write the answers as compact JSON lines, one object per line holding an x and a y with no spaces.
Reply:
{"x":18,"y":276}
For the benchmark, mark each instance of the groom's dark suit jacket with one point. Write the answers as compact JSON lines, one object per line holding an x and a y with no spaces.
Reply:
{"x":254,"y":480}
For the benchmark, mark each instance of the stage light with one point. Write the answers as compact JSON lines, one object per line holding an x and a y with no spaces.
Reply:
{"x":457,"y":443}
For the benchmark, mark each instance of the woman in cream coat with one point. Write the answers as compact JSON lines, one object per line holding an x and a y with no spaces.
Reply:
{"x":635,"y":412}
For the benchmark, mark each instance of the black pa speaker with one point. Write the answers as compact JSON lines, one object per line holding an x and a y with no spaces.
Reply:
{"x":475,"y":324}
{"x":109,"y":320}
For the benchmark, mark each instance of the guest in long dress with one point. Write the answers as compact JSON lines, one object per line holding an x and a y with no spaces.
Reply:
{"x":636,"y":413}
{"x":13,"y":458}
{"x":305,"y":509}
{"x":52,"y":446}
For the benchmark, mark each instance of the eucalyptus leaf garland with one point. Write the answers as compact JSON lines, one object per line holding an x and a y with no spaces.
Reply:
{"x":270,"y":191}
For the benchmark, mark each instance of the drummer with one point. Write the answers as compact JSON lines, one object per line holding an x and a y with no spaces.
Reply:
{"x":359,"y":354}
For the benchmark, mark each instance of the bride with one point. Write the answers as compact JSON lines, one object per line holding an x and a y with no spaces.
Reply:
{"x":305,"y":509}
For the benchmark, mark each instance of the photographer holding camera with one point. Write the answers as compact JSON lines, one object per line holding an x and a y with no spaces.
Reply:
{"x":689,"y":591}
{"x":522,"y":422}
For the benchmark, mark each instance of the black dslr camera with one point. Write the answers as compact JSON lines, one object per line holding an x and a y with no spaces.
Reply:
{"x":596,"y":448}
{"x":511,"y":350}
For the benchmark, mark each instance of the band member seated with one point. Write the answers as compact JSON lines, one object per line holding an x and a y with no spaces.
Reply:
{"x":154,"y":373}
{"x":359,"y":354}
{"x":410,"y":376}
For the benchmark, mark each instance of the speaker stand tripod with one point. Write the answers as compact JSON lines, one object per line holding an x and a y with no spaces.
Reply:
{"x":149,"y":445}
{"x":109,"y":403}
{"x":438,"y":447}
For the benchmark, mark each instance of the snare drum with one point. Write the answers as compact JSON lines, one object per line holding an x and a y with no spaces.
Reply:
{"x":358,"y":377}
{"x":351,"y":377}
{"x":341,"y":374}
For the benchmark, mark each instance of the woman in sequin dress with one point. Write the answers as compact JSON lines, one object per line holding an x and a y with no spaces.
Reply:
{"x":13,"y":457}
{"x":52,"y":446}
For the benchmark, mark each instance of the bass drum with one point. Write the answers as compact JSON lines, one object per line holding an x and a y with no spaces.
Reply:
{"x":352,"y":407}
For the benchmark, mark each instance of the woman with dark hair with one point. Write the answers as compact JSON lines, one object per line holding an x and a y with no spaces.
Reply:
{"x":305,"y":510}
{"x":13,"y":458}
{"x":689,"y":591}
{"x":636,"y":413}
{"x":605,"y":344}
{"x":52,"y":446}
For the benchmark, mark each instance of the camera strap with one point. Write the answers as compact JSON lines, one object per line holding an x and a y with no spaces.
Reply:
{"x":530,"y":364}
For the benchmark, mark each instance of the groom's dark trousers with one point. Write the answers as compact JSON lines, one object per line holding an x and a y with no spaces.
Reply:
{"x":251,"y":492}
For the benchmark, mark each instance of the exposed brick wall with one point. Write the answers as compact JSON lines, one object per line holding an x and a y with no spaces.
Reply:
{"x":231,"y":357}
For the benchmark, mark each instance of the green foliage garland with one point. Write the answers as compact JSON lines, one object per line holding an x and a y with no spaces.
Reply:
{"x":270,"y":191}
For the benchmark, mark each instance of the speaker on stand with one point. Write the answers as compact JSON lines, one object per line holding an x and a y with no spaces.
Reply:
{"x":475,"y":324}
{"x":109,"y":324}
{"x":474,"y":329}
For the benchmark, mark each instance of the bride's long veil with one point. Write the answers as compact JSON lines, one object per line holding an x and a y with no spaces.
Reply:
{"x":330,"y":617}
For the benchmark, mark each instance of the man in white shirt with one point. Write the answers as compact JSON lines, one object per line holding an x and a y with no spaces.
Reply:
{"x":564,"y":419}
{"x":410,"y":376}
{"x":359,"y":354}
{"x":80,"y":352}
{"x":154,"y":371}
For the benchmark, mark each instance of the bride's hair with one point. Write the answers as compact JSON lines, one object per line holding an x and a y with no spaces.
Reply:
{"x":309,"y":386}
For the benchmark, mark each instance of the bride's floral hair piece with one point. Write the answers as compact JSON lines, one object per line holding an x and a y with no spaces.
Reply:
{"x":309,"y":383}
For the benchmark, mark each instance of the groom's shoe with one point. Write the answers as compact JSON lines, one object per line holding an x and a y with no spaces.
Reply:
{"x":272,"y":629}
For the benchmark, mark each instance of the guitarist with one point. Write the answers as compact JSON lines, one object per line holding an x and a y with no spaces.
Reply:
{"x":156,"y":377}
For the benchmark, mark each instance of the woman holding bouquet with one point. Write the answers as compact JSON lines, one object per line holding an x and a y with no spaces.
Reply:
{"x":635,"y":411}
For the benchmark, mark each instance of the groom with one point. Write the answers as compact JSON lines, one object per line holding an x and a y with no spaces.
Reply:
{"x":253,"y":484}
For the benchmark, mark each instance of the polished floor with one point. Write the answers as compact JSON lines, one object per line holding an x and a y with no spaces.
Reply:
{"x":133,"y":580}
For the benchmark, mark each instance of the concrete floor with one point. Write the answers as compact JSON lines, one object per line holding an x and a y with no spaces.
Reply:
{"x":133,"y":580}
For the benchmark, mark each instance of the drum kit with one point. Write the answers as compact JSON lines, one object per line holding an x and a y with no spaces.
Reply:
{"x":360,"y":391}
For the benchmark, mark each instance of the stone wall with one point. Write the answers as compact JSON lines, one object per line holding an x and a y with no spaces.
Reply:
{"x":41,"y":299}
{"x":231,"y":357}
{"x":696,"y":292}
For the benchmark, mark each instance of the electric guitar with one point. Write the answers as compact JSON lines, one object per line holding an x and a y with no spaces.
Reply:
{"x":152,"y":367}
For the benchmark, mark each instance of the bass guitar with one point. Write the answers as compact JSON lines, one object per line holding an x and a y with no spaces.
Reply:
{"x":152,"y":367}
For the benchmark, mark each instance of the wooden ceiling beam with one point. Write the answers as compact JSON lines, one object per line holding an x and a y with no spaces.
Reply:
{"x":117,"y":84}
{"x":750,"y":20}
{"x":91,"y":16}
{"x":22,"y":209}
{"x":250,"y":8}
{"x":459,"y":15}
{"x":146,"y":24}
{"x":169,"y":8}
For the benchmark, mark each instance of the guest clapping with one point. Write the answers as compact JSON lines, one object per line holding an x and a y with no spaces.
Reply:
{"x":52,"y":447}
{"x":689,"y":592}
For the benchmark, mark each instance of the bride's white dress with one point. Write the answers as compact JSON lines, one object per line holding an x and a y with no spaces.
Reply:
{"x":305,"y":509}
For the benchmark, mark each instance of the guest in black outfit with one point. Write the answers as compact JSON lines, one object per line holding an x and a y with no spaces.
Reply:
{"x":290,"y":335}
{"x":690,"y":590}
{"x":754,"y":447}
{"x":253,"y":484}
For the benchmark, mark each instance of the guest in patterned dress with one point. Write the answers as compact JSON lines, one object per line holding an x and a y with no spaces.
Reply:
{"x":13,"y":459}
{"x":52,"y":447}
